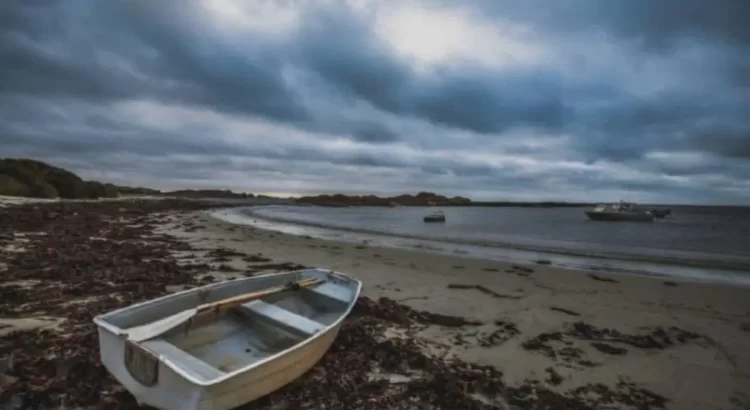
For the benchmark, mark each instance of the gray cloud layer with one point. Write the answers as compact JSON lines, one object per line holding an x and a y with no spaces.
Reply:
{"x":647,"y":100}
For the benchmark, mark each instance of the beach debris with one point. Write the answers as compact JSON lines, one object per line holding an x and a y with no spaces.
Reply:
{"x":568,"y":355}
{"x":608,"y":349}
{"x":224,"y":254}
{"x":543,"y":262}
{"x":670,"y":283}
{"x":654,"y":338}
{"x":504,"y":332}
{"x":256,"y":258}
{"x":491,"y":269}
{"x":276,"y":267}
{"x":559,"y":345}
{"x":390,"y":310}
{"x":226,"y":268}
{"x":520,"y":270}
{"x":563,"y":310}
{"x":554,"y":377}
{"x":483,"y":289}
{"x":540,"y":343}
{"x":602,"y":279}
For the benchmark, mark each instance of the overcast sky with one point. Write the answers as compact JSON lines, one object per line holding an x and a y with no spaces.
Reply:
{"x":589,"y":100}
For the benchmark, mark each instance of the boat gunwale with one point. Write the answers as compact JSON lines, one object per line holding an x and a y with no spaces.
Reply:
{"x":99,"y":321}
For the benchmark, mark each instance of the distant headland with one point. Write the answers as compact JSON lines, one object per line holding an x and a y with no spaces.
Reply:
{"x":25,"y":177}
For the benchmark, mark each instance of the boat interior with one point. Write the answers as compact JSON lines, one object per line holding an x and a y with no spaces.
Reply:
{"x":246,"y":334}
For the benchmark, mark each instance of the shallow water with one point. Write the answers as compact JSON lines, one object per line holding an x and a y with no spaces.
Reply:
{"x":701,"y":239}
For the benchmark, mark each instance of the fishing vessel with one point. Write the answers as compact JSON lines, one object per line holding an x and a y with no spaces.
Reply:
{"x":660,"y":213}
{"x":435,"y":216}
{"x":623,"y":211}
{"x":225,"y":344}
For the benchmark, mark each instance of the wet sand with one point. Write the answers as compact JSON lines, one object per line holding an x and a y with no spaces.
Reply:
{"x":430,"y":331}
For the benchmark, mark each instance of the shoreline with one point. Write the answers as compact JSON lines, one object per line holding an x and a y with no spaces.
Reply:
{"x":664,"y":267}
{"x":542,"y":301}
{"x":549,"y":337}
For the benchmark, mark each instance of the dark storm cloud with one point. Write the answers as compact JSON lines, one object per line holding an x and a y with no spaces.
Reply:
{"x":361,"y":65}
{"x":657,"y":23}
{"x":680,"y":83}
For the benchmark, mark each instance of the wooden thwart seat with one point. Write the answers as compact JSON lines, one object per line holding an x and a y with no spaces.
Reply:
{"x":281,"y":317}
{"x":191,"y":364}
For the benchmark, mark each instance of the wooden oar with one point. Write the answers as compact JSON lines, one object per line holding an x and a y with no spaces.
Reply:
{"x":212,"y":309}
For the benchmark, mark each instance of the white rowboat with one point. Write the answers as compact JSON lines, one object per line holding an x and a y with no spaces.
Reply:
{"x":236,"y":355}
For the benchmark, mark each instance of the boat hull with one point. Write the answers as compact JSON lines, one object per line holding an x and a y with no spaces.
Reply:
{"x":221,"y":347}
{"x":227,"y":394}
{"x":660,"y":213}
{"x":434,"y":219}
{"x":620,"y":216}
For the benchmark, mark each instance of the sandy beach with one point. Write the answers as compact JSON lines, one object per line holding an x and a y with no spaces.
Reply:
{"x":559,"y":338}
{"x":711,"y":371}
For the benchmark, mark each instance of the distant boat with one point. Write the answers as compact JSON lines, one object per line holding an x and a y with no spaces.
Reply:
{"x":625,"y":212}
{"x":225,"y":344}
{"x":435,"y":216}
{"x":660,"y":213}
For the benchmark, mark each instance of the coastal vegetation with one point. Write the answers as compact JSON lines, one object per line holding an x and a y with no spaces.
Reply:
{"x":26,"y":177}
{"x":30,"y":178}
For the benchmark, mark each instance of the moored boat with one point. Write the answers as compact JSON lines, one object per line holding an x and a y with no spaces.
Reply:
{"x":622,"y":212}
{"x":660,"y":213}
{"x":241,"y":339}
{"x":435,"y":216}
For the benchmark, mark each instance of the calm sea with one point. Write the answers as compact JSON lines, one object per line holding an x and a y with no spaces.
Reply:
{"x":699,"y":242}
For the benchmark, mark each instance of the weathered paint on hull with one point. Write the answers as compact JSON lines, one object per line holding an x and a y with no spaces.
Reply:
{"x":620,"y":216}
